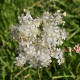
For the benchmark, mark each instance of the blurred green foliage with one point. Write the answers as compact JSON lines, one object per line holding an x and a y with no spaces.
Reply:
{"x":9,"y":12}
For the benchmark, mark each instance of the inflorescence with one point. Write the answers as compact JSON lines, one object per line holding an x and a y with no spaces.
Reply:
{"x":38,"y":39}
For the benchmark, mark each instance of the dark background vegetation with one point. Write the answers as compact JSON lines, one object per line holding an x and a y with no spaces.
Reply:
{"x":9,"y":12}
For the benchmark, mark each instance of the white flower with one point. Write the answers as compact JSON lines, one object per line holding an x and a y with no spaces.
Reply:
{"x":58,"y":10}
{"x":64,"y":14}
{"x":36,"y":47}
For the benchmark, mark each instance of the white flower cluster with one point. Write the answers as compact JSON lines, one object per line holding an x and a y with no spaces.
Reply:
{"x":38,"y":39}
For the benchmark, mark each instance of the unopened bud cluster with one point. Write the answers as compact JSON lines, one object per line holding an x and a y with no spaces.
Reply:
{"x":75,"y":49}
{"x":38,"y":39}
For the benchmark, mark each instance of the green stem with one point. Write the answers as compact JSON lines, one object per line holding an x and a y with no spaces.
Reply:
{"x":39,"y":73}
{"x":20,"y":72}
{"x":57,"y":77}
{"x":73,"y":34}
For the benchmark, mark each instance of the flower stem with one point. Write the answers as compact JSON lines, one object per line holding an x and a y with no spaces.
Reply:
{"x":39,"y":73}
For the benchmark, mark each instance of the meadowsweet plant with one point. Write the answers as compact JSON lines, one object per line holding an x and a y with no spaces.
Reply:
{"x":38,"y":39}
